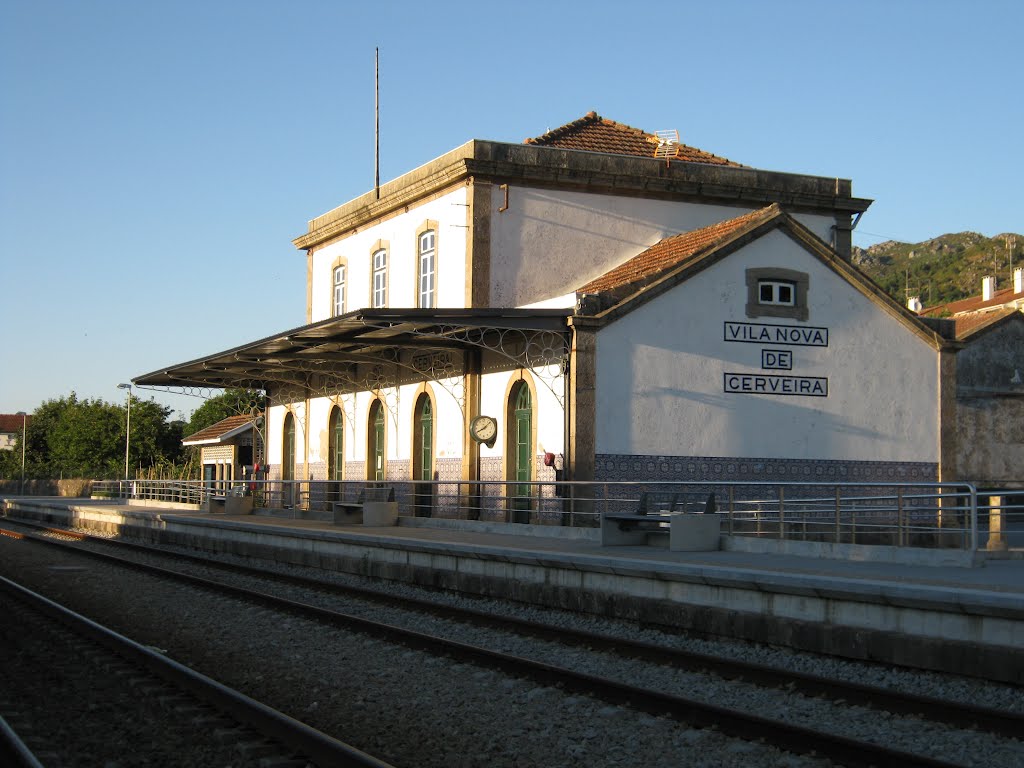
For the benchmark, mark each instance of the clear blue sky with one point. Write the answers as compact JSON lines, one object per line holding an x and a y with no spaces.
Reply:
{"x":157,"y":158}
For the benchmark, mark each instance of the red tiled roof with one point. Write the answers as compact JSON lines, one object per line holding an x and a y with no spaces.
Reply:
{"x":671,"y":252}
{"x":975,"y":303}
{"x":12,"y":422}
{"x":219,"y":429}
{"x":593,"y":133}
{"x":975,"y":321}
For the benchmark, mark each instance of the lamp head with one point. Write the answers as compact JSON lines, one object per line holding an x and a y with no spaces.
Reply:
{"x":124,"y":386}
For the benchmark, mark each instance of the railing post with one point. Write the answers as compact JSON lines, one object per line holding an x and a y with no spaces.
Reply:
{"x":839,"y":526}
{"x":900,"y":530}
{"x":973,"y":500}
{"x":732,"y":490}
{"x":782,"y":522}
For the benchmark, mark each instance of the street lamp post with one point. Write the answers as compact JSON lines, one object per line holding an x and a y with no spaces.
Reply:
{"x":127,"y":427}
{"x":24,"y":417}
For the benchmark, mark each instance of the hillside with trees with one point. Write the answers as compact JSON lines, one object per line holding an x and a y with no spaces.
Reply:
{"x":943,"y":269}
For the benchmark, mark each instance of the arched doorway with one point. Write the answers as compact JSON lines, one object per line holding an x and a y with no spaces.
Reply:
{"x":335,"y":453}
{"x":519,"y":450}
{"x":288,"y":461}
{"x":375,"y":442}
{"x":423,"y":455}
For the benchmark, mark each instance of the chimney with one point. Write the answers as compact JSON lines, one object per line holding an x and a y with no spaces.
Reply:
{"x":1018,"y":280}
{"x":914,"y":304}
{"x":988,"y":287}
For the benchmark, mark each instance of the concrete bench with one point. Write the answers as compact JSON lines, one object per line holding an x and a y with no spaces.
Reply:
{"x":688,"y":531}
{"x":374,"y":506}
{"x":234,"y":502}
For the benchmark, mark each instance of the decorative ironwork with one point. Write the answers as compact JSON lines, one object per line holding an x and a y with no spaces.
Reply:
{"x":378,"y":352}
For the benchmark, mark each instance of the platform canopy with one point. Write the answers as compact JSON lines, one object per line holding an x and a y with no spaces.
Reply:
{"x":371,"y":349}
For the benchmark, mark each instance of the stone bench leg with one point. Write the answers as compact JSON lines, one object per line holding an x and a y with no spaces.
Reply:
{"x":694,"y":532}
{"x":612,"y":536}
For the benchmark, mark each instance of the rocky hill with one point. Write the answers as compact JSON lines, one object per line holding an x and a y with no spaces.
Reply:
{"x":943,"y":269}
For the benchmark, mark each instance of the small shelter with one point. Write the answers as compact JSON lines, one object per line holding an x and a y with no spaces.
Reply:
{"x":226,"y":451}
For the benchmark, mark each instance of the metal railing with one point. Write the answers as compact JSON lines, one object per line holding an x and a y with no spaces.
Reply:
{"x":902,"y":515}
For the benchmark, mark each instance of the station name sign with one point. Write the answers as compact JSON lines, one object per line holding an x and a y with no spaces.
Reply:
{"x":766,"y":333}
{"x":771,"y":384}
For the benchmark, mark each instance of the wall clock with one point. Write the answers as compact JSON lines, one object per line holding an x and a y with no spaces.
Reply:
{"x":484,"y":429}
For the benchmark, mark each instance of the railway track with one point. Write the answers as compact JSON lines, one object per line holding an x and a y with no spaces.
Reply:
{"x":746,"y":724}
{"x":60,"y":666}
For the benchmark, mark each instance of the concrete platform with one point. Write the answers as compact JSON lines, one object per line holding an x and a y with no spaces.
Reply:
{"x":968,"y":620}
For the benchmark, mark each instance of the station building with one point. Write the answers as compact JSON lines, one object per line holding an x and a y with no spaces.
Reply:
{"x":596,"y":303}
{"x":990,"y":381}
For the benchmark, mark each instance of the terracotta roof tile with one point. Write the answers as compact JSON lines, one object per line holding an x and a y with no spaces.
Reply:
{"x":593,"y":133}
{"x":670,"y":253}
{"x":975,"y":321}
{"x":217,"y":430}
{"x":975,"y":303}
{"x":12,"y":422}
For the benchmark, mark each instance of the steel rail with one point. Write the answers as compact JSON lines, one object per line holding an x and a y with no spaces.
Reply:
{"x":13,"y":751}
{"x":324,"y":750}
{"x":735,"y":723}
{"x":967,"y":716}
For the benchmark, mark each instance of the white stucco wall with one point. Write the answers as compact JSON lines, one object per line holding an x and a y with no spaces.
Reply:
{"x":549,"y":243}
{"x":449,"y":210}
{"x":448,"y":423}
{"x":660,"y":373}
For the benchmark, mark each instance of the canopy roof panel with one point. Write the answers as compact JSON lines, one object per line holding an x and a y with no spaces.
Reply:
{"x":331,"y":348}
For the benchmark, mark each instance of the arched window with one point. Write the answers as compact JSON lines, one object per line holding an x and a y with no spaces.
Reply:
{"x":335,"y":444}
{"x":423,"y":455}
{"x":339,"y":278}
{"x":380,"y":278}
{"x":375,"y":442}
{"x":426,"y":268}
{"x":520,"y":450}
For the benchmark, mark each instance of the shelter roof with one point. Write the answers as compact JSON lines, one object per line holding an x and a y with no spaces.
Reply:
{"x":223,"y":430}
{"x":593,"y":133}
{"x":327,"y":351}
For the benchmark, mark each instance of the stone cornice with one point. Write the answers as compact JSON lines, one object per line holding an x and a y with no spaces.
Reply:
{"x":587,"y":171}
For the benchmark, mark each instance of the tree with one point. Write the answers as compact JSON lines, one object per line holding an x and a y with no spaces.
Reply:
{"x":68,"y":437}
{"x":154,"y":440}
{"x":232,"y":402}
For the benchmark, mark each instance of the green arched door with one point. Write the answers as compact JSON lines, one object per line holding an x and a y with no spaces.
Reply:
{"x":521,"y":452}
{"x":335,"y":453}
{"x":375,"y":443}
{"x":423,"y":455}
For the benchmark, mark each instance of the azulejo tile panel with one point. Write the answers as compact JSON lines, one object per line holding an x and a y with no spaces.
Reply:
{"x":723,"y":469}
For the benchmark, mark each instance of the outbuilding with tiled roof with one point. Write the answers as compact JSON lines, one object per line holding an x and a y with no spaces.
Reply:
{"x":226,"y":451}
{"x":11,"y":427}
{"x":990,"y":380}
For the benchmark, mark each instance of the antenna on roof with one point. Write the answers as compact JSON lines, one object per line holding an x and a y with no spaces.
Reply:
{"x":376,"y":123}
{"x":666,"y":144}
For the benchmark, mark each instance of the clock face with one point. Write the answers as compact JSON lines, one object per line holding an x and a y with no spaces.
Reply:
{"x":484,"y":429}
